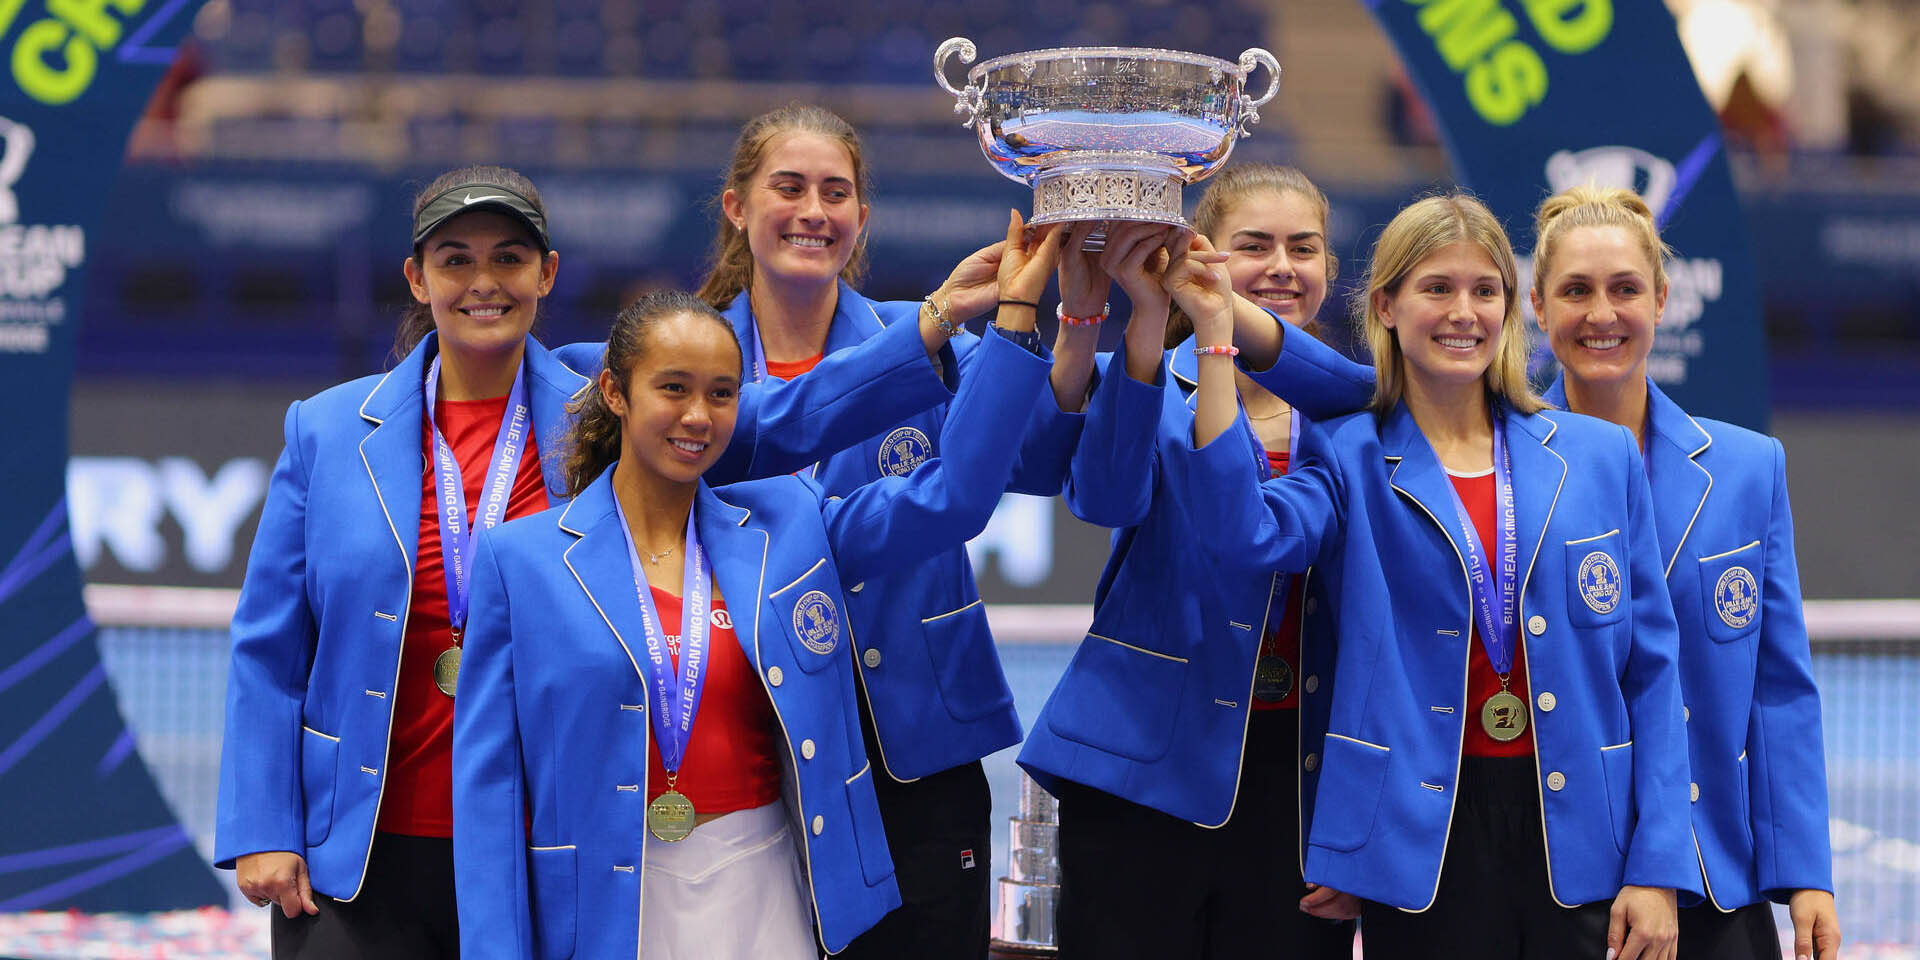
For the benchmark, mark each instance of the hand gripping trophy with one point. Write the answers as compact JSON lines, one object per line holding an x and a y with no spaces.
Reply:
{"x":1106,"y":133}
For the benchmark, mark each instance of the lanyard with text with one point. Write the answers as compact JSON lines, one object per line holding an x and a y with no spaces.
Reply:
{"x":671,"y":816}
{"x":1504,"y":714}
{"x":456,"y":536}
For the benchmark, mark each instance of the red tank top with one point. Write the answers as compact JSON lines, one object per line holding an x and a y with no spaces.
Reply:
{"x":730,"y":762}
{"x":1477,"y":493}
{"x":418,"y":800}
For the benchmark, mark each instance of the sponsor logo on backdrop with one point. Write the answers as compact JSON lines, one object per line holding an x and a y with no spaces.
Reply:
{"x":34,"y":257}
{"x":123,"y":506}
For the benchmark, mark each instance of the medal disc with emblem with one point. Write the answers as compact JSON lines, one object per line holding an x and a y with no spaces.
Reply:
{"x":670,"y":816}
{"x":1504,"y":717}
{"x":446,"y":670}
{"x":1272,"y":679}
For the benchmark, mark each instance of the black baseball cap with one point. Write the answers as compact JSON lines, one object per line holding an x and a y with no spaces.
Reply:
{"x":480,"y":195}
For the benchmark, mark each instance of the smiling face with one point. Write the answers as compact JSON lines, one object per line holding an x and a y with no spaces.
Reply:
{"x":1448,"y":314}
{"x":482,"y":275}
{"x":801,"y":210}
{"x":1276,"y":253}
{"x":681,"y":397}
{"x":1599,"y":306}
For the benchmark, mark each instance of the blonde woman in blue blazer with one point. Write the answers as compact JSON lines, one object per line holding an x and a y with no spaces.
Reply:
{"x":564,"y":842}
{"x":329,"y":602}
{"x":1575,"y":847}
{"x":1759,"y":785}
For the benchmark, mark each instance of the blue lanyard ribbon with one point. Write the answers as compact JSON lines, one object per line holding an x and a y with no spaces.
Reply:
{"x":674,"y":728}
{"x":456,"y":537}
{"x":1486,"y":577}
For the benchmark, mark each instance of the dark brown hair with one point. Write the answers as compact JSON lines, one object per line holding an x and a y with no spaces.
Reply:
{"x":1227,"y":190}
{"x":416,"y":321}
{"x":730,"y":268}
{"x":593,"y":442}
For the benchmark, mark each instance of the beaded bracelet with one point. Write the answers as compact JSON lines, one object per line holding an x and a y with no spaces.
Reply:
{"x":1020,"y":303}
{"x":1060,"y":313}
{"x":1221,"y":351}
{"x":940,"y":322}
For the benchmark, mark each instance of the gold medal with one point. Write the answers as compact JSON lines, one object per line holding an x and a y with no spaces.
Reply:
{"x":1504,"y":717}
{"x":670,"y":816}
{"x":446,"y":670}
{"x":1272,"y":679}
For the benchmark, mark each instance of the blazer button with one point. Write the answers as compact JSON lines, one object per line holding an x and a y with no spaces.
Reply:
{"x":1312,"y":762}
{"x":1556,"y":781}
{"x":1547,"y":702}
{"x":872,"y":657}
{"x":1686,"y":713}
{"x":774,"y":676}
{"x":1693,"y":791}
{"x":819,"y":824}
{"x":1536,"y":624}
{"x":806,"y":749}
{"x":856,"y":588}
{"x":1313,"y":683}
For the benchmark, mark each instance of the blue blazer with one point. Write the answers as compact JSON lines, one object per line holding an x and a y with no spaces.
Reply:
{"x":1746,"y":671}
{"x":317,"y":634}
{"x":927,"y":662}
{"x":1606,"y":727}
{"x":551,"y":728}
{"x":1155,"y":703}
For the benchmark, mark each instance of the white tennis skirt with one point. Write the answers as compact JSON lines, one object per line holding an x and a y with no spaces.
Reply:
{"x":732,"y":889}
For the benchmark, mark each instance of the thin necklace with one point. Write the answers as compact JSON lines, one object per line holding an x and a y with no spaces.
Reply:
{"x":655,"y":558}
{"x":1277,"y":413}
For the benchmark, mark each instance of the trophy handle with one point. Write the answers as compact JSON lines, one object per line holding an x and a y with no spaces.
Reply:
{"x":1250,"y":107}
{"x":966,"y":100}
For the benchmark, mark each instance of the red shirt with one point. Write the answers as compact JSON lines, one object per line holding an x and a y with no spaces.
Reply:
{"x":419,"y":795}
{"x":1283,"y":640}
{"x":730,"y":762}
{"x":1477,"y":493}
{"x":786,"y":370}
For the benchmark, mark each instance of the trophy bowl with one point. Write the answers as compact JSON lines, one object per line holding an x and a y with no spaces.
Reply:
{"x":1106,"y":133}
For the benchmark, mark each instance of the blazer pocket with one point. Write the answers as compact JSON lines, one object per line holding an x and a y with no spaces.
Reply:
{"x":319,"y":772}
{"x":869,"y":834}
{"x":1120,"y":698}
{"x":813,"y":615}
{"x":1352,"y":775}
{"x":553,"y":887}
{"x":1730,"y":593}
{"x":965,"y":664}
{"x":1616,"y":764}
{"x":1596,"y":580}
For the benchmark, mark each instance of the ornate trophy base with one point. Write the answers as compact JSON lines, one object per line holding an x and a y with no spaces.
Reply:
{"x":1099,"y":185}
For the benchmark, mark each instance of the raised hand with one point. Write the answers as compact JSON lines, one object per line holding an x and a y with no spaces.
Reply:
{"x":1136,"y":257}
{"x":1083,"y":282}
{"x":1027,"y":260}
{"x":1197,"y":280}
{"x":973,"y":287}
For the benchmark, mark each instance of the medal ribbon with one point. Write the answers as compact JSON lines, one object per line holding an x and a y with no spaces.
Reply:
{"x":1497,"y":631}
{"x":456,"y":537}
{"x":674,"y":728}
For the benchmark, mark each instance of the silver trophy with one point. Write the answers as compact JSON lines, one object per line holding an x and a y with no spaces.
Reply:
{"x":1106,"y":133}
{"x":1031,"y":889}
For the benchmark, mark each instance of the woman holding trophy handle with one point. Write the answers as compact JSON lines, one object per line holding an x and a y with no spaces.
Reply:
{"x":625,"y":790}
{"x":934,"y":699}
{"x":1197,"y":784}
{"x":335,"y":803}
{"x":1504,"y":769}
{"x":1726,"y":531}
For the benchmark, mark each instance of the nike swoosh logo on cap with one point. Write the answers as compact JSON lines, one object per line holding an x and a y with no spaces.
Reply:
{"x":470,"y":198}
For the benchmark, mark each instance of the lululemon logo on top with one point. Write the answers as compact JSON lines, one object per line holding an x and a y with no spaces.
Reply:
{"x":1736,"y":597}
{"x":903,"y":451}
{"x":1600,"y":582}
{"x":721,"y":620}
{"x":816,"y":622}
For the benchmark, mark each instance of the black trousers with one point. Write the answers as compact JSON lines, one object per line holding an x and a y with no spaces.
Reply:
{"x":1747,"y":933}
{"x":1138,"y":883}
{"x":939,"y":830}
{"x":405,"y":910}
{"x":1493,"y":902}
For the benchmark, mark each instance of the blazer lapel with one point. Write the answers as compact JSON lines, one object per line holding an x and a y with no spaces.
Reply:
{"x":739,"y":557}
{"x":392,"y":452}
{"x":551,"y":386}
{"x":1538,"y":476}
{"x":600,"y":565}
{"x":1415,"y":472}
{"x":1673,"y":452}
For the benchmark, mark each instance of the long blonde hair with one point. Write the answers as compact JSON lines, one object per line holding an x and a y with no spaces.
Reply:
{"x":1591,"y":206}
{"x":731,"y":265}
{"x":1227,"y":191}
{"x":1416,"y":233}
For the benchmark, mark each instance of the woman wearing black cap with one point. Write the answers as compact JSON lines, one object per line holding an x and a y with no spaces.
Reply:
{"x":335,"y":799}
